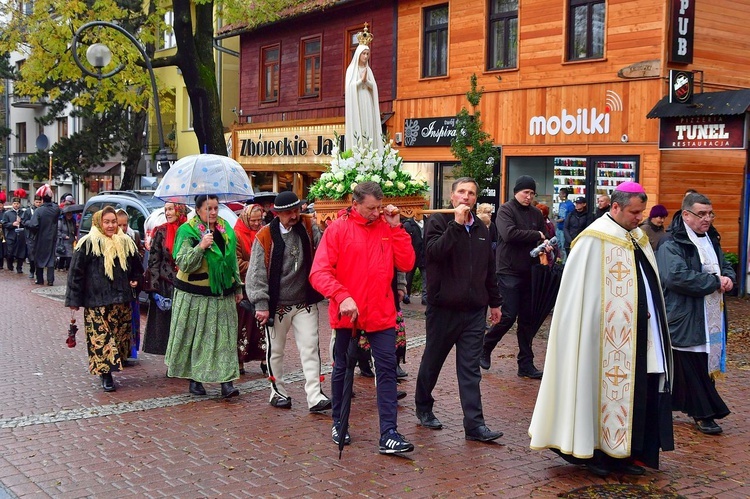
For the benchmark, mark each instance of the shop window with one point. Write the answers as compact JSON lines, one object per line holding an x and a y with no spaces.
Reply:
{"x":62,"y":127}
{"x":435,"y":41}
{"x":310,"y":66}
{"x":586,"y":29}
{"x":503,"y":30}
{"x":21,"y":137}
{"x":269,"y":85}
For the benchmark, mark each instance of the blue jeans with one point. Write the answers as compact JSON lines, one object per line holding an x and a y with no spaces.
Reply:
{"x":384,"y":355}
{"x":560,"y":235}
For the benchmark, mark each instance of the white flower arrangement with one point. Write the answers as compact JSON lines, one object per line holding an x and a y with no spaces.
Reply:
{"x":363,"y":163}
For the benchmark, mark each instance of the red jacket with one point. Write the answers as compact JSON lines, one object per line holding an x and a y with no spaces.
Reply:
{"x":356,"y":259}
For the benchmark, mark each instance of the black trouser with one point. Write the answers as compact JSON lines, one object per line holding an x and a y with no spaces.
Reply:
{"x":410,"y":280}
{"x":19,"y":263}
{"x":445,"y":328}
{"x":40,"y":275}
{"x":516,"y":293}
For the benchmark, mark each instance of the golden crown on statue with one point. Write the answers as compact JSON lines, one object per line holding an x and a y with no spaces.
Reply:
{"x":364,"y":37}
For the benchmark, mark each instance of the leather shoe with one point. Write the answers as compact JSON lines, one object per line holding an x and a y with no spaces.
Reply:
{"x":196,"y":388}
{"x":400,"y":394}
{"x":708,"y":426}
{"x":485,"y":361}
{"x":483,"y":434}
{"x":532,"y":373}
{"x":366,"y":371}
{"x":428,"y":420}
{"x":400,"y":373}
{"x":108,"y":383}
{"x":630,"y":469}
{"x":406,"y":299}
{"x":321,"y":406}
{"x":228,"y":390}
{"x":598,"y":469}
{"x":281,"y":402}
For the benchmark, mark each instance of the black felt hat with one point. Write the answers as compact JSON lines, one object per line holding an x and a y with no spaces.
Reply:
{"x":286,"y":201}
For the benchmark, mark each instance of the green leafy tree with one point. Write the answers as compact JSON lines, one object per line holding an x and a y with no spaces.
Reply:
{"x":50,"y":71}
{"x":473,"y":147}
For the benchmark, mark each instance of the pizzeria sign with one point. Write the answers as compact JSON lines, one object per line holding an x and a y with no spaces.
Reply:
{"x":703,"y":132}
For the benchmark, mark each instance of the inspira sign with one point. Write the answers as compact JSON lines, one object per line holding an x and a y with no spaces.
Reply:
{"x":429,"y":131}
{"x":591,"y":121}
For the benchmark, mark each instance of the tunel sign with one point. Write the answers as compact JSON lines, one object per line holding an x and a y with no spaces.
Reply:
{"x":703,"y":132}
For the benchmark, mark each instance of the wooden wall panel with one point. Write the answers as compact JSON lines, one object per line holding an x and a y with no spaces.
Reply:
{"x":332,"y":24}
{"x":721,"y":42}
{"x":719,"y":174}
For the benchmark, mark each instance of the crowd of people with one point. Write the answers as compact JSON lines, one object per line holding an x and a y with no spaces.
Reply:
{"x":638,"y":331}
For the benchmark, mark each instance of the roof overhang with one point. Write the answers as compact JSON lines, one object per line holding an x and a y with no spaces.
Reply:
{"x":303,"y":9}
{"x":106,"y":168}
{"x":725,"y":103}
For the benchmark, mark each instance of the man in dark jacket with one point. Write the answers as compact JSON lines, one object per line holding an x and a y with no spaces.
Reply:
{"x":695,"y":277}
{"x":44,"y":222}
{"x":15,"y":241}
{"x":576,"y":222}
{"x":26,"y":216}
{"x":521,"y":228}
{"x":460,"y":285}
{"x":415,"y":229}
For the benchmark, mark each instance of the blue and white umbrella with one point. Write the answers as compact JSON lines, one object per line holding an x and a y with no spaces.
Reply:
{"x":205,"y":174}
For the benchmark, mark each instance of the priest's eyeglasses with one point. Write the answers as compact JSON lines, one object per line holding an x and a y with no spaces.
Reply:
{"x":703,"y":215}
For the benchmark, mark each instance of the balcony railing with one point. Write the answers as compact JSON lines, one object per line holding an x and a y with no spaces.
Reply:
{"x":28,"y":102}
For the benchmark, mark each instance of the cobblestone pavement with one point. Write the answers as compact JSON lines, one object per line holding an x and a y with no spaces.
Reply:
{"x":62,"y":436}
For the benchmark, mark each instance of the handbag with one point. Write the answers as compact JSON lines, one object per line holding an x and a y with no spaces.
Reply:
{"x":163,"y":303}
{"x":60,"y":248}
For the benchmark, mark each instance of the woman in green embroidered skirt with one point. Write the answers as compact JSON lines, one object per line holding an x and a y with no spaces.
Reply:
{"x":203,"y":333}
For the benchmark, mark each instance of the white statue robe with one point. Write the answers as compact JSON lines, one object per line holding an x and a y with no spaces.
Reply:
{"x":362,"y":106}
{"x":585,"y":399}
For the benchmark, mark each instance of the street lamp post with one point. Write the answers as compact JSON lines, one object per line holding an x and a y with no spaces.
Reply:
{"x":99,"y":56}
{"x":50,"y":166}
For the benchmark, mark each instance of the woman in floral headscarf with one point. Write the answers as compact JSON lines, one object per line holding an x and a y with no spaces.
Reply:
{"x":159,"y":276}
{"x":203,"y":333}
{"x":104,"y":276}
{"x":250,"y":340}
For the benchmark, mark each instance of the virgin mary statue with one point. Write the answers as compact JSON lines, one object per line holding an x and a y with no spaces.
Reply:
{"x":361,"y":96}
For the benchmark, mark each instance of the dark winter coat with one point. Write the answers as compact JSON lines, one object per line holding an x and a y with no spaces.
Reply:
{"x":518,"y":228}
{"x":66,"y":231}
{"x":574,"y":225}
{"x":417,"y":241}
{"x":89,"y":287}
{"x":460,"y":265}
{"x":30,"y":236}
{"x":15,"y":241}
{"x":44,"y":222}
{"x":685,"y":285}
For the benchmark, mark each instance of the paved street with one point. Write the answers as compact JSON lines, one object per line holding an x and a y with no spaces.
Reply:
{"x":62,"y":436}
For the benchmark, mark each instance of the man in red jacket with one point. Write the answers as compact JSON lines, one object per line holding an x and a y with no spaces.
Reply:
{"x":354,"y":268}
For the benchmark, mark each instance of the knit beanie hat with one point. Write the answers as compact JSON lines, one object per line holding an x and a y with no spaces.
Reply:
{"x":524,"y":182}
{"x":658,"y":210}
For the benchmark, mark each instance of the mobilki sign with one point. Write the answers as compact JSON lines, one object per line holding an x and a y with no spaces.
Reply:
{"x":703,"y":132}
{"x":583,"y":122}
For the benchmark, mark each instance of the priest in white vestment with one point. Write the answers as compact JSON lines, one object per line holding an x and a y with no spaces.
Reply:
{"x":604,"y":401}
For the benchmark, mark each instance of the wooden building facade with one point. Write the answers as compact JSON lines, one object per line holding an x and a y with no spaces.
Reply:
{"x":291,"y":100}
{"x":556,"y":106}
